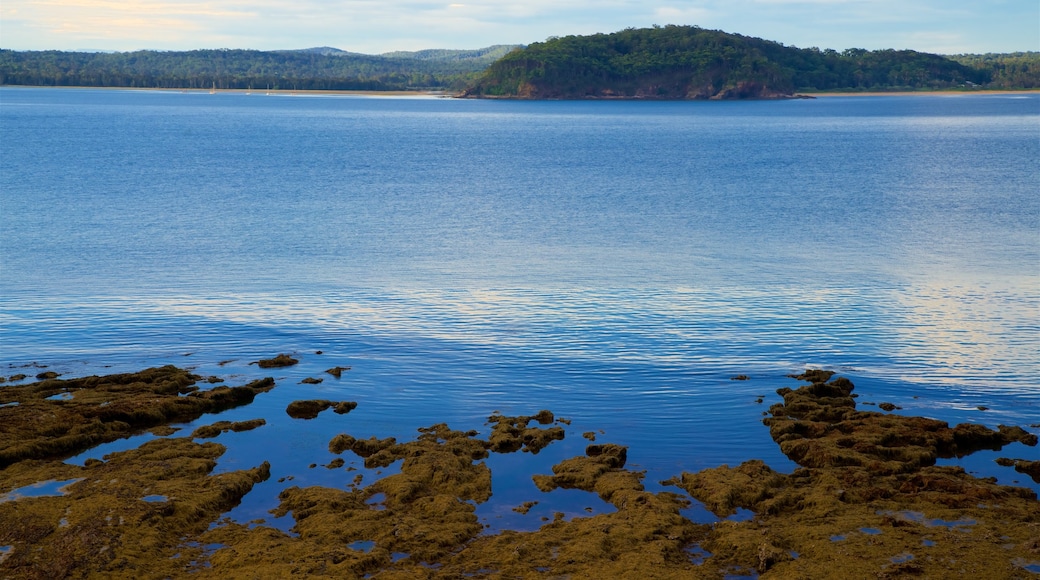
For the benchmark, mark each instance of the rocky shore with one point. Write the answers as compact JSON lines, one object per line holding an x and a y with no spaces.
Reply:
{"x":868,"y":499}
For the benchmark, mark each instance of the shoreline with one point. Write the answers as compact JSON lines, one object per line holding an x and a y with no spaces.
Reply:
{"x":461,"y":95}
{"x":945,"y":93}
{"x":261,"y":92}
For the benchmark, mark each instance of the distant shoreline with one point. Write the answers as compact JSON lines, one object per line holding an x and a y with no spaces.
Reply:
{"x":921,"y":93}
{"x":429,"y":93}
{"x":452,"y":94}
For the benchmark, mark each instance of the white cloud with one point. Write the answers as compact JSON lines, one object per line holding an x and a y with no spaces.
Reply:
{"x":375,"y":26}
{"x":683,"y":15}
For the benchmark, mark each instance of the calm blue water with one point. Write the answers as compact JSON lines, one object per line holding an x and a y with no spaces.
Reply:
{"x":615,"y":262}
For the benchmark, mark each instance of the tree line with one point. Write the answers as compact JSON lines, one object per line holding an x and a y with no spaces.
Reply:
{"x":1017,"y":70}
{"x":658,"y":62}
{"x":310,"y":69}
{"x":691,"y":62}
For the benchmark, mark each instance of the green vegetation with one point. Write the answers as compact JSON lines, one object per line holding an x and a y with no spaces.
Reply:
{"x":687,"y":62}
{"x":310,"y":69}
{"x":1018,"y":70}
{"x":670,"y":62}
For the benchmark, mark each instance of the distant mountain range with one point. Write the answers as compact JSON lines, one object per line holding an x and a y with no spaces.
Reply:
{"x":670,"y":62}
{"x":485,"y":56}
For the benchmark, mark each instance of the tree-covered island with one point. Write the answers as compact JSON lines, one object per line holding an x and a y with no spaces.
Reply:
{"x":669,"y":62}
{"x":688,"y":62}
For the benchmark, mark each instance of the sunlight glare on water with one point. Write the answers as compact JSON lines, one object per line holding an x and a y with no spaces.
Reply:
{"x":615,"y":262}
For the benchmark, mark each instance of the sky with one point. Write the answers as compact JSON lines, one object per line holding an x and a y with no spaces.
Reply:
{"x":378,"y":26}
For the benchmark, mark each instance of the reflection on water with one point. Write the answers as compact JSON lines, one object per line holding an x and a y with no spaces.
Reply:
{"x":651,"y":368}
{"x":616,"y":263}
{"x":962,"y":336}
{"x":41,"y":489}
{"x":950,"y":331}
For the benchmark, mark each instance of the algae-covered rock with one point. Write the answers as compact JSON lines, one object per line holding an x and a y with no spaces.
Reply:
{"x":723,"y":489}
{"x":312,"y":408}
{"x":1030,"y":468}
{"x":282,"y":360}
{"x":512,"y":433}
{"x":819,"y":426}
{"x":105,"y":525}
{"x":868,"y":501}
{"x":337,"y":371}
{"x":344,"y":407}
{"x":425,"y":514}
{"x":103,"y":409}
{"x":307,"y":409}
{"x":601,"y":471}
{"x":868,"y":496}
{"x":211,"y":431}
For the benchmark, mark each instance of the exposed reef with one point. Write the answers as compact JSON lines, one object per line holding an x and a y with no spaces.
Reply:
{"x":282,"y":360}
{"x":216,"y":429}
{"x":1030,"y":468}
{"x":135,"y":515}
{"x":95,"y":410}
{"x":311,"y":409}
{"x":869,"y":496}
{"x":867,"y":499}
{"x":337,"y":371}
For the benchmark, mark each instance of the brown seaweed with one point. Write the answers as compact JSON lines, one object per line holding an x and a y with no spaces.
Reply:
{"x":867,"y":501}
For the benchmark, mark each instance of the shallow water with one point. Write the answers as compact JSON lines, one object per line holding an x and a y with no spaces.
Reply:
{"x":41,"y":489}
{"x":615,"y":262}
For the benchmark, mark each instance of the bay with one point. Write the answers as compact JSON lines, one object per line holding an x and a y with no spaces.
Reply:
{"x":615,"y":262}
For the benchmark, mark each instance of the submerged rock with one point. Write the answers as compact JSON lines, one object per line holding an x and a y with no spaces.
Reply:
{"x":337,"y":371}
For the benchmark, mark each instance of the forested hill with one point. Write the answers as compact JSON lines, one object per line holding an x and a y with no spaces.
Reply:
{"x":671,"y":62}
{"x":308,"y":69}
{"x":688,"y":62}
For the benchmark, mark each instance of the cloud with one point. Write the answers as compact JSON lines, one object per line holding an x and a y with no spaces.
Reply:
{"x":65,"y":8}
{"x":684,"y":15}
{"x":375,"y":26}
{"x":73,"y":23}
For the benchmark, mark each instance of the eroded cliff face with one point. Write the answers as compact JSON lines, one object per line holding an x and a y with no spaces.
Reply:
{"x":742,"y":90}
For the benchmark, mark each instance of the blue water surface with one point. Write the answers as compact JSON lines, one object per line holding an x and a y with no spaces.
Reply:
{"x":615,"y":262}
